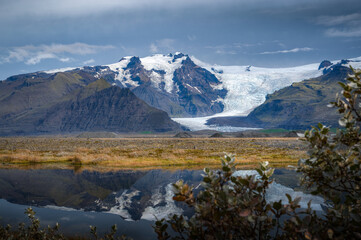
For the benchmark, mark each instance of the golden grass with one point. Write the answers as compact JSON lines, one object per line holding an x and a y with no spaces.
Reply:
{"x":148,"y":153}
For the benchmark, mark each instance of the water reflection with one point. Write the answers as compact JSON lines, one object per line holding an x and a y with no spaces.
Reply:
{"x":63,"y":195}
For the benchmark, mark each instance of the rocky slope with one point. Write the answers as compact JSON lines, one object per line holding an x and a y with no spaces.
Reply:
{"x":112,"y":109}
{"x":73,"y":102}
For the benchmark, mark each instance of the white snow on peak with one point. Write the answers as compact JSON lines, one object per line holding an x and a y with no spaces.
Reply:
{"x":59,"y":70}
{"x":155,"y":62}
{"x":354,"y":62}
{"x":123,"y":63}
{"x":123,"y":75}
{"x":164,"y":63}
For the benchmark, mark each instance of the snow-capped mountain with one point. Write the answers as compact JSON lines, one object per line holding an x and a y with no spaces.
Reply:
{"x":170,"y":82}
{"x":186,"y":87}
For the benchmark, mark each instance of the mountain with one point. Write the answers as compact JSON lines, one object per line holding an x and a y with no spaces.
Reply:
{"x":173,"y":83}
{"x":74,"y":101}
{"x":187,"y":89}
{"x":298,"y":106}
{"x":183,"y":86}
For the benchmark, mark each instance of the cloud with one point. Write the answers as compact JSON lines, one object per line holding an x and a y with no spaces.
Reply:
{"x":342,"y":25}
{"x":353,"y":32}
{"x":221,"y":51}
{"x":39,"y":56}
{"x":90,"y":61}
{"x":64,"y":59}
{"x":350,"y":19}
{"x":163,"y":45}
{"x":191,"y":37}
{"x":71,"y":8}
{"x":153,"y":48}
{"x":294,"y":50}
{"x":31,"y":54}
{"x":231,"y":49}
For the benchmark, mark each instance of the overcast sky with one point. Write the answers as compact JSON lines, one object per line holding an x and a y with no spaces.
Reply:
{"x":46,"y":34}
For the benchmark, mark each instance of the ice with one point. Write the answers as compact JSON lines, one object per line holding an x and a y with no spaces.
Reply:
{"x":248,"y":86}
{"x":63,"y":208}
{"x":199,"y":123}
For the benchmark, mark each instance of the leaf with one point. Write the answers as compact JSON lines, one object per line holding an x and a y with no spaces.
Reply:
{"x":277,"y":205}
{"x":245,"y":213}
{"x":330,"y":233}
{"x":179,"y":198}
{"x":308,"y":235}
{"x":244,"y":182}
{"x":207,"y":180}
{"x":289,"y":197}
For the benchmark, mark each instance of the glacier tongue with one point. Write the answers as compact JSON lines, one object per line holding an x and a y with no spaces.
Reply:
{"x":248,"y":86}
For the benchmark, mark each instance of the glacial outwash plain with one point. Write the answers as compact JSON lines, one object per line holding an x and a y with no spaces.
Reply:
{"x":106,"y":154}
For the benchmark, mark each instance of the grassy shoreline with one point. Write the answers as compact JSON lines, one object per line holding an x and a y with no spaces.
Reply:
{"x":145,"y":153}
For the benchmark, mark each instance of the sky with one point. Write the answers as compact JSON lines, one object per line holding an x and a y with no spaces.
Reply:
{"x":41,"y":35}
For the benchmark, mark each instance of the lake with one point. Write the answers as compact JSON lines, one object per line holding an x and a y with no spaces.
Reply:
{"x":131,"y":199}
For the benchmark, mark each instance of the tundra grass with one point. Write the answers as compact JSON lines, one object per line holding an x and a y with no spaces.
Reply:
{"x":130,"y":153}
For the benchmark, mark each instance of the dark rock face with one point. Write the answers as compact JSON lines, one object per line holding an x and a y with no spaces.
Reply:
{"x":160,"y":99}
{"x":296,"y":107}
{"x":324,"y":64}
{"x":183,"y":135}
{"x":196,"y":94}
{"x":137,"y":71}
{"x":217,"y":135}
{"x":112,"y":109}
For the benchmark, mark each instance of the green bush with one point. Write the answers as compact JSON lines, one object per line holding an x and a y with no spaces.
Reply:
{"x":333,"y":169}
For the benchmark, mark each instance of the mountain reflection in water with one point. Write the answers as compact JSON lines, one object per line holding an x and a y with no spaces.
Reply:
{"x":90,"y":196}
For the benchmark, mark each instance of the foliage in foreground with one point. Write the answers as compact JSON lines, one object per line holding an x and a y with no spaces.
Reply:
{"x":235,"y":207}
{"x":35,"y":232}
{"x":333,"y":169}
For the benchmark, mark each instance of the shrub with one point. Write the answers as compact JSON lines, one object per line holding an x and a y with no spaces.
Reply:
{"x":35,"y":232}
{"x":333,"y":169}
{"x":230,"y":207}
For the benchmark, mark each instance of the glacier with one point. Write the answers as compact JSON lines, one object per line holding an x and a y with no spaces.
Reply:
{"x":248,"y":87}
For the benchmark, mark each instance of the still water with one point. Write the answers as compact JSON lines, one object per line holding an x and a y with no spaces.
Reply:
{"x":130,"y":199}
